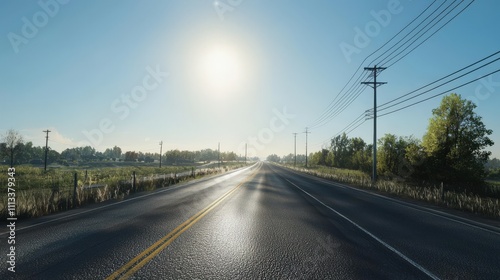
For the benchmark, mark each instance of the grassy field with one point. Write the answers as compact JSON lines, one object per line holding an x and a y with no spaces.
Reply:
{"x":40,"y":192}
{"x":488,"y":206}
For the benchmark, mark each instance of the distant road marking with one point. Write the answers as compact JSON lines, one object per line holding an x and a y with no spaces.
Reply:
{"x":410,"y":261}
{"x":143,"y":258}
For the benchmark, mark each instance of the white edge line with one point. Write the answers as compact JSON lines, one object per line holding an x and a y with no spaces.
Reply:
{"x":232,"y":174}
{"x":437,"y":213}
{"x":410,"y":261}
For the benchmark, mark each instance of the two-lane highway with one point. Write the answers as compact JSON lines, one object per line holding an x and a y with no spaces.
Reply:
{"x":258,"y":222}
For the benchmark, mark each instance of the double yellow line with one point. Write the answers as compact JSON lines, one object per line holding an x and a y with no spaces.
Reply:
{"x":143,"y":258}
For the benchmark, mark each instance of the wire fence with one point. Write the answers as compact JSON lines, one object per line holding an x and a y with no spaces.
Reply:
{"x":39,"y":193}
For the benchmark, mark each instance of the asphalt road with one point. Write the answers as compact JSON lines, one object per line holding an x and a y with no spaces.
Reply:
{"x":263,"y":222}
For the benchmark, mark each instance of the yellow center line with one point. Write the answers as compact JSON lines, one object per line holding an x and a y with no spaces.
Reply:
{"x":143,"y":258}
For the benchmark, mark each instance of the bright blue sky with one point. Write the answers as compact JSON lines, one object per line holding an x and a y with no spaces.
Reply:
{"x":73,"y":74}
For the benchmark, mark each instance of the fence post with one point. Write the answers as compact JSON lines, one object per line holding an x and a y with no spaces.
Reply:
{"x":133,"y":181}
{"x":74,"y":190}
{"x":67,"y":200}
{"x":192,"y":172}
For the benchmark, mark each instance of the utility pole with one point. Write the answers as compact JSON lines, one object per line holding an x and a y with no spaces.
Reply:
{"x":306,"y":132}
{"x":295,"y":149}
{"x":46,"y":147}
{"x":161,"y":147}
{"x":218,"y":155}
{"x":245,"y":153}
{"x":375,"y":70}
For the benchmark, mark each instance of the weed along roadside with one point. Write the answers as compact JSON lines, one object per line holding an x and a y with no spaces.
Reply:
{"x":438,"y":195}
{"x":41,"y":193}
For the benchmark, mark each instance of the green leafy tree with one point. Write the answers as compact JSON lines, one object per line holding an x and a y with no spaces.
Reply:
{"x":229,"y":156}
{"x":88,"y":153}
{"x":392,"y":160}
{"x":206,"y":155}
{"x":131,"y":156}
{"x":27,"y":153}
{"x":114,"y":153}
{"x":357,"y":153}
{"x":52,"y":156}
{"x":330,"y":159}
{"x":319,"y":158}
{"x":455,"y":141}
{"x":340,"y":150}
{"x":289,"y":159}
{"x":315,"y":158}
{"x":416,"y":164}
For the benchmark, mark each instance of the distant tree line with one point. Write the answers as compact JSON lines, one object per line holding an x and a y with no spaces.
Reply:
{"x":288,"y":159}
{"x":14,"y":151}
{"x":206,"y":155}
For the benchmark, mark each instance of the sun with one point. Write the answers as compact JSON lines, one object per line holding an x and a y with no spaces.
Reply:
{"x":221,"y":71}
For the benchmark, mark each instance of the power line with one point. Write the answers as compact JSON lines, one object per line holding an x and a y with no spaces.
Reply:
{"x":436,"y":95}
{"x":332,"y":112}
{"x":438,"y":86}
{"x":449,"y":75}
{"x":343,"y":101}
{"x":335,"y":108}
{"x":446,"y":23}
{"x":408,"y":34}
{"x":327,"y":113}
{"x":347,"y":133}
{"x":369,"y":113}
{"x":391,"y":54}
{"x":359,"y":118}
{"x":349,"y":100}
{"x":382,"y":108}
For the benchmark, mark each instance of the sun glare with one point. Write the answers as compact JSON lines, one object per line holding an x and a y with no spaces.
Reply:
{"x":221,"y":71}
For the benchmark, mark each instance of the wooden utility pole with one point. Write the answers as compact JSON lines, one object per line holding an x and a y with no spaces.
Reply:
{"x":374,"y":85}
{"x":306,"y":132}
{"x":295,"y":149}
{"x":161,"y":146}
{"x":46,"y":148}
